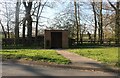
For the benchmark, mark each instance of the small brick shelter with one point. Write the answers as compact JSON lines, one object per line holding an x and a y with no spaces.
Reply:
{"x":56,"y":39}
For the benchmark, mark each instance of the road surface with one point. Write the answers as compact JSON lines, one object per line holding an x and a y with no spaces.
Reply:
{"x":10,"y":69}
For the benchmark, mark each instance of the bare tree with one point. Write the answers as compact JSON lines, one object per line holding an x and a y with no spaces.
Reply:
{"x":23,"y":29}
{"x":7,"y":14}
{"x":3,"y":29}
{"x":17,"y":21}
{"x":76,"y":20}
{"x":37,"y":19}
{"x":39,"y":12}
{"x":28,"y":7}
{"x":101,"y":24}
{"x":100,"y":21}
{"x":117,"y":19}
{"x":95,"y":19}
{"x":79,"y":25}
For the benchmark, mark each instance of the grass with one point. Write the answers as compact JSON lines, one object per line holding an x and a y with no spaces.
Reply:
{"x":35,"y":55}
{"x":107,"y":55}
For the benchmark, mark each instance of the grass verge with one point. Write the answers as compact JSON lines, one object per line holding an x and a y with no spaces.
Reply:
{"x":107,"y":55}
{"x":34,"y":55}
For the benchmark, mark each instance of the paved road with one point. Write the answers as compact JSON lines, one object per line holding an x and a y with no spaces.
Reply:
{"x":9,"y":69}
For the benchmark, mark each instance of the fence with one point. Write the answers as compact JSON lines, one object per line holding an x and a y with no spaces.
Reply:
{"x":35,"y":41}
{"x":40,"y":42}
{"x":73,"y":42}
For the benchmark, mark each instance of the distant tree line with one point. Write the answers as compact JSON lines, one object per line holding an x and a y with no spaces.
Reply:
{"x":104,"y":22}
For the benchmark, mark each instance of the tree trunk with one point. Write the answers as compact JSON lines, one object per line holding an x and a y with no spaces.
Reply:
{"x":29,"y":25}
{"x":95,"y":19}
{"x":37,"y":19}
{"x":17,"y":22}
{"x":117,"y":19}
{"x":79,"y":26}
{"x":24,"y":24}
{"x":8,"y":35}
{"x":28,"y":18}
{"x":75,"y":6}
{"x":3,"y":29}
{"x":8,"y":30}
{"x":99,"y":31}
{"x":117,"y":24}
{"x":23,"y":31}
{"x":101,"y":24}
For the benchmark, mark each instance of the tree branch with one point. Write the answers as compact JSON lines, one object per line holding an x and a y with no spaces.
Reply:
{"x":24,"y":3}
{"x":112,"y":5}
{"x":30,"y":5}
{"x":3,"y":29}
{"x":42,"y":8}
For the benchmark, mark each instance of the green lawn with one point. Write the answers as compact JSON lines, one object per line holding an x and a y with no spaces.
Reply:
{"x":108,"y":55}
{"x":35,"y":55}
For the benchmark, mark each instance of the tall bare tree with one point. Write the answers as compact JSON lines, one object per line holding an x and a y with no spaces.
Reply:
{"x":76,"y":20}
{"x":23,"y":29}
{"x":28,"y":7}
{"x":100,"y":21}
{"x":101,"y":24}
{"x":17,"y":21}
{"x":3,"y":29}
{"x":39,"y":12}
{"x":79,"y":25}
{"x":117,"y":19}
{"x":7,"y":14}
{"x":37,"y":19}
{"x":95,"y":20}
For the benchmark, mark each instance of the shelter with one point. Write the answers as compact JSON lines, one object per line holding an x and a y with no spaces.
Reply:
{"x":56,"y":39}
